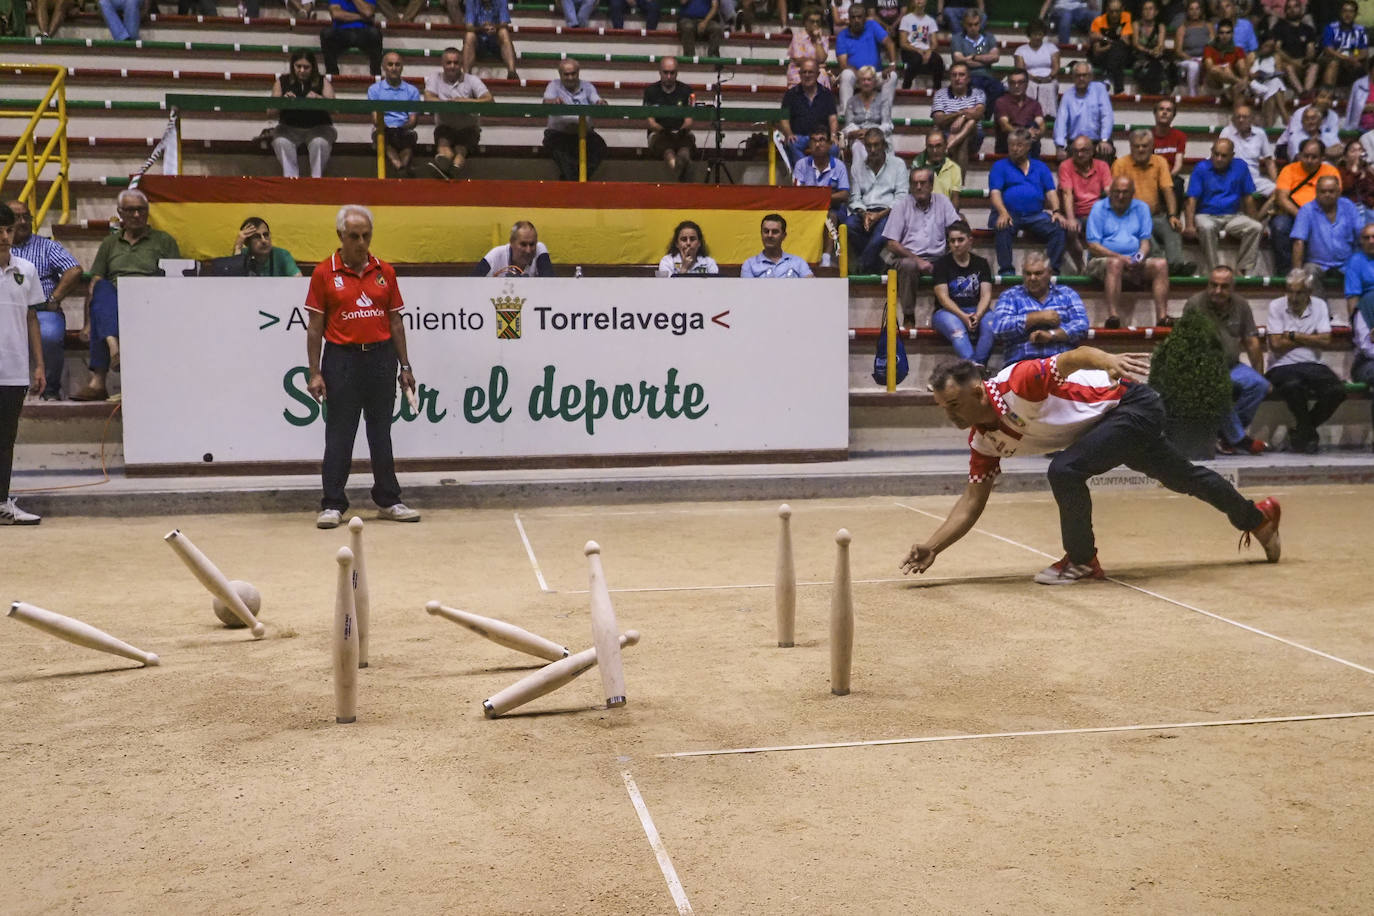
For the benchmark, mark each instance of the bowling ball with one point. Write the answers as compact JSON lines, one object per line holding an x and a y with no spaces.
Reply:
{"x":250,"y":596}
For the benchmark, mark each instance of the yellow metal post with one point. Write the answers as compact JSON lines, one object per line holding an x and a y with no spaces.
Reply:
{"x":772,"y":162}
{"x":581,"y":148}
{"x":379,"y":119}
{"x":842,"y":249}
{"x":891,"y":330}
{"x":55,"y":147}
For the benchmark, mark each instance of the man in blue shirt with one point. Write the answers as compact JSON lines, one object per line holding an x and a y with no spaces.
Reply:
{"x":699,"y":19}
{"x":1344,"y":48}
{"x":399,"y":125}
{"x":1359,"y":279}
{"x":1038,"y":318}
{"x":1022,"y":189}
{"x":773,"y":262}
{"x":863,"y":43}
{"x":1218,"y":191}
{"x":488,"y":35}
{"x":1085,"y":110}
{"x":1327,"y":230}
{"x":351,"y":26}
{"x":1119,"y":231}
{"x":820,"y":169}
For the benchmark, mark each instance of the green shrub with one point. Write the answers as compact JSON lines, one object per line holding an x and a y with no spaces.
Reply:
{"x":1189,"y":370}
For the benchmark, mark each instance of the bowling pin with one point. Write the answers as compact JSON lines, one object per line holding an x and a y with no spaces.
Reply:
{"x":605,"y":630}
{"x":501,"y":633}
{"x":547,"y":679}
{"x":214,"y":581}
{"x":345,"y":635}
{"x":74,"y":631}
{"x":362,"y":605}
{"x":841,"y":619}
{"x":785,"y":587}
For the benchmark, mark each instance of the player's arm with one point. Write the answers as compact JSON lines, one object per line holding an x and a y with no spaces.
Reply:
{"x":1115,"y":365}
{"x":314,"y":343}
{"x":398,"y":340}
{"x":961,"y":520}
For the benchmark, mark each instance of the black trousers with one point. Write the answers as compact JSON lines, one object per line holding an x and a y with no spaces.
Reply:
{"x":1133,"y":435}
{"x":913,"y":65}
{"x":11,"y":405}
{"x":1301,"y":383}
{"x":358,"y":382}
{"x":334,"y":41}
{"x":562,"y":147}
{"x":1112,"y":62}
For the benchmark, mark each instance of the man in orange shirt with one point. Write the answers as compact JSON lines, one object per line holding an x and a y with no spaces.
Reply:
{"x":1296,"y":186}
{"x":1110,"y":50}
{"x":355,"y":317}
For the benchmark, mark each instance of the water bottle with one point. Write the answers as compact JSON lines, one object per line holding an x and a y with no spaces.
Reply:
{"x":577,"y":272}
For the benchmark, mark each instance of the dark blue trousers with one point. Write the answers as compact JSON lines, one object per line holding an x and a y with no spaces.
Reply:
{"x":358,"y":382}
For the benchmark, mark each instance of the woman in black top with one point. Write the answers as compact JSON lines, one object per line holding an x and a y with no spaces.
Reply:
{"x":299,"y":127}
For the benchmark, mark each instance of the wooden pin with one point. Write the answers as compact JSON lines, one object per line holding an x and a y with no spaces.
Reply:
{"x":605,"y":631}
{"x":345,"y":642}
{"x":362,"y":604}
{"x":785,"y":582}
{"x":841,"y":619}
{"x":74,"y":631}
{"x":501,"y":633}
{"x":547,"y":679}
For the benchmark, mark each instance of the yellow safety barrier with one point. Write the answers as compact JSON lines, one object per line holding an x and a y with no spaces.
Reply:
{"x":25,"y":148}
{"x":892,"y":330}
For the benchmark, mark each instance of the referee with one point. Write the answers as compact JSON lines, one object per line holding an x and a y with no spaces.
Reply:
{"x":355,"y":313}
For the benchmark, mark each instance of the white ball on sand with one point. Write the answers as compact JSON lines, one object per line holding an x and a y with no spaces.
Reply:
{"x":250,"y":596}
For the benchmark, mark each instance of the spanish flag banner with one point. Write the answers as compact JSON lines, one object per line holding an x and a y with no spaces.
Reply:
{"x":421,"y":221}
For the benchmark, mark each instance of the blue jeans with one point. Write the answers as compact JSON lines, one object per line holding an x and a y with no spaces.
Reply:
{"x":1281,"y":237}
{"x":953,"y":330}
{"x":104,"y":322}
{"x":577,"y":13}
{"x":1248,"y":388}
{"x":1066,"y":20}
{"x":52,"y":329}
{"x":648,"y":7}
{"x":1038,"y":225}
{"x":869,"y":245}
{"x":122,"y":17}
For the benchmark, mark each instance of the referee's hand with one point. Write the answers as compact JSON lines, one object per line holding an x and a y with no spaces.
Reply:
{"x":919,"y":560}
{"x":316,"y":386}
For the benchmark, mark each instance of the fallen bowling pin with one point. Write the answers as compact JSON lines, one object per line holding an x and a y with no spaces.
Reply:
{"x":785,"y":582}
{"x":74,"y":631}
{"x":841,"y":619}
{"x":214,"y":581}
{"x":362,"y":604}
{"x":345,"y":642}
{"x":605,"y":630}
{"x":501,"y":633}
{"x":548,"y":679}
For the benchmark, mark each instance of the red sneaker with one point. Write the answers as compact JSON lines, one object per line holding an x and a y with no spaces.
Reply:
{"x":1268,"y":530}
{"x":1066,"y":573}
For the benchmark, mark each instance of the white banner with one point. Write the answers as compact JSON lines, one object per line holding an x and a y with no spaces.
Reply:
{"x":214,"y":369}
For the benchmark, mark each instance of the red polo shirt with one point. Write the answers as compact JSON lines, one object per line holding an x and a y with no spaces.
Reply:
{"x":1171,"y":145}
{"x":357,"y":307}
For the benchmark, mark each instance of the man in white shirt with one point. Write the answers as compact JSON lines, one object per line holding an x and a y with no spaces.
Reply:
{"x":1299,"y":329}
{"x":878,"y":182}
{"x":20,"y":342}
{"x":525,"y":256}
{"x":560,"y":137}
{"x":455,"y":135}
{"x":1253,"y":147}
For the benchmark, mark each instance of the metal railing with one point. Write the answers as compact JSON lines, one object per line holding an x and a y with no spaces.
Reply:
{"x":26,"y":146}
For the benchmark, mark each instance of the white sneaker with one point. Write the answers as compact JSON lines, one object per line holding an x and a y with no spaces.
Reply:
{"x":329,"y":518}
{"x":825,"y":260}
{"x":11,"y":514}
{"x":399,"y":513}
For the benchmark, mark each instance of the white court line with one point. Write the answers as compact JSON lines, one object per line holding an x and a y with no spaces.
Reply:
{"x":1102,"y":729}
{"x":767,"y":506}
{"x":1197,"y":610}
{"x":665,"y":864}
{"x":529,"y":551}
{"x":725,"y":588}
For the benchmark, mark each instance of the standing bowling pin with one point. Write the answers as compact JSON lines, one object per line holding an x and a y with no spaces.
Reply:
{"x":841,"y":619}
{"x":501,"y":633}
{"x":785,"y":584}
{"x":214,"y":581}
{"x":361,"y":603}
{"x":547,"y":679}
{"x":345,"y":635}
{"x":74,"y":631}
{"x":605,"y":631}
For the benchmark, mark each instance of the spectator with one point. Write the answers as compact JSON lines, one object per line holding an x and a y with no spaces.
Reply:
{"x":1218,"y":190}
{"x":297,"y":127}
{"x":58,"y":275}
{"x":1085,"y":109}
{"x":487,"y":35}
{"x":1119,"y":231}
{"x":1153,"y":186}
{"x":1039,"y":318}
{"x":822,"y":169}
{"x":869,"y":107}
{"x":1297,"y":47}
{"x":650,"y":8}
{"x":1242,"y":31}
{"x":1190,"y":43}
{"x":21,"y":296}
{"x":123,"y":17}
{"x":699,"y":19}
{"x":135,"y":251}
{"x":1357,"y":180}
{"x":863,"y":43}
{"x":1359,"y":282}
{"x":1320,"y":120}
{"x":949,"y":177}
{"x":1299,"y":329}
{"x":808,"y":43}
{"x":1024,"y":198}
{"x":1110,"y":48}
{"x":773,"y":262}
{"x":1083,"y":181}
{"x":560,"y":137}
{"x":357,"y":370}
{"x":260,"y":257}
{"x":958,"y":111}
{"x":1291,"y":140}
{"x":1040,"y":60}
{"x":388,"y":9}
{"x":670,"y":139}
{"x":1224,"y":66}
{"x":687,"y":253}
{"x":916,"y":43}
{"x":1235,"y":327}
{"x":398,"y":127}
{"x":979,"y":51}
{"x":751,"y":11}
{"x":1296,"y":186}
{"x":456,"y":134}
{"x":878,"y":183}
{"x":1066,"y":15}
{"x":1017,"y":109}
{"x":524,"y":256}
{"x":1148,"y":49}
{"x":1359,"y":108}
{"x":1169,"y":141}
{"x":915,"y":237}
{"x":953,"y":16}
{"x":1253,"y":148}
{"x":577,"y":13}
{"x":1344,"y":47}
{"x":50,"y":14}
{"x":351,"y":26}
{"x":806,"y":106}
{"x":1267,"y":84}
{"x":888,"y":14}
{"x":1326,"y":232}
{"x":963,"y":293}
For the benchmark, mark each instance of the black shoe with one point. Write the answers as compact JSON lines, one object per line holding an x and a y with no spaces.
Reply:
{"x":50,"y":394}
{"x":1112,"y":323}
{"x":1186,"y":269}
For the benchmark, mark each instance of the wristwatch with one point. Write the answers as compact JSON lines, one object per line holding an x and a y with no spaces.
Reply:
{"x":405,"y":367}
{"x":1292,"y":336}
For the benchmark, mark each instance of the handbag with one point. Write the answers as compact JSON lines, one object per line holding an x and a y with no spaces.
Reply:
{"x":880,"y":358}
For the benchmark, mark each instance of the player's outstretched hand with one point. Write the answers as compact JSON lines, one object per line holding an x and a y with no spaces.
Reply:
{"x":1134,"y":365}
{"x":919,"y":560}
